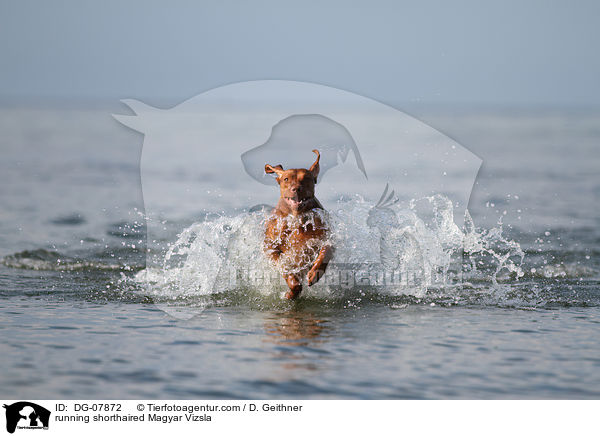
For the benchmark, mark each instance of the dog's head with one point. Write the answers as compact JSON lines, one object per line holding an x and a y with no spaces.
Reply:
{"x":297,"y":185}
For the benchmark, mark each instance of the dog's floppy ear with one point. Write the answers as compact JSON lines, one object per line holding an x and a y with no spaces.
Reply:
{"x":277,"y":169}
{"x":314,"y":169}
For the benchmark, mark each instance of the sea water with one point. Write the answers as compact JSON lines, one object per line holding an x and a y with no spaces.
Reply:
{"x":422,"y":300}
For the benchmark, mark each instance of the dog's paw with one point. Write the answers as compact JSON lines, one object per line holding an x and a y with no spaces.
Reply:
{"x":291,"y":295}
{"x":313,"y":276}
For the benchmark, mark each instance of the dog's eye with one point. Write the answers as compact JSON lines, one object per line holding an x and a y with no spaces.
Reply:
{"x":285,"y":180}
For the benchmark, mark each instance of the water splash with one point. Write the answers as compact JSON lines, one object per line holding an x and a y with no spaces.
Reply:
{"x":391,"y":251}
{"x":487,"y":249}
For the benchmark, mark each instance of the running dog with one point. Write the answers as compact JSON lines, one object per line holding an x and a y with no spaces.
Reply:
{"x":296,"y":231}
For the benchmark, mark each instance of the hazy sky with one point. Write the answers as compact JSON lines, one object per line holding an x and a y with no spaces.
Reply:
{"x":502,"y":52}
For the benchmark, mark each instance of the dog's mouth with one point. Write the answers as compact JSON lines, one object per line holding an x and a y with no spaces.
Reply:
{"x":296,"y":202}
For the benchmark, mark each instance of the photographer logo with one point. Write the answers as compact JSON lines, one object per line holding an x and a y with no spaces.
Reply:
{"x":26,"y":415}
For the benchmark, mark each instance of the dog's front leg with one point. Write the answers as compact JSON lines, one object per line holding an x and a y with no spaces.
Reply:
{"x":320,"y":264}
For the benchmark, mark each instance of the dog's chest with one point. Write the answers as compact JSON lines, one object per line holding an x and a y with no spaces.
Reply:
{"x":295,"y":230}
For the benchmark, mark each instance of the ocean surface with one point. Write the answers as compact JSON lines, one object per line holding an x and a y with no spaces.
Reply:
{"x":499,"y":303}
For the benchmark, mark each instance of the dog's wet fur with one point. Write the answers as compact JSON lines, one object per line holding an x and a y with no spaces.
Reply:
{"x":296,"y":231}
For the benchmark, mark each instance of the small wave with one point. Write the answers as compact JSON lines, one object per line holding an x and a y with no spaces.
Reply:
{"x":44,"y":260}
{"x":126,"y":230}
{"x":562,"y":271}
{"x":74,"y":219}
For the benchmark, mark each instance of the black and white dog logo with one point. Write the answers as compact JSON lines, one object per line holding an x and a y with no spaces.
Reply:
{"x":26,"y":415}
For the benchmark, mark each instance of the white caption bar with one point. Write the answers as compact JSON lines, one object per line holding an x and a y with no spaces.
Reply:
{"x":263,"y":417}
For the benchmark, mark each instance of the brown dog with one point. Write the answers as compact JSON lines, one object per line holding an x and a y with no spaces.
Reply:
{"x":296,"y":231}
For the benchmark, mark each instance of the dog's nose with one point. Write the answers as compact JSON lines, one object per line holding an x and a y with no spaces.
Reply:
{"x":294,"y":188}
